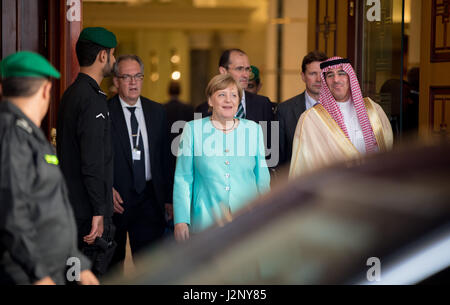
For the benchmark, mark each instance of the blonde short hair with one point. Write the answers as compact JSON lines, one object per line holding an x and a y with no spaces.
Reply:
{"x":220,"y":82}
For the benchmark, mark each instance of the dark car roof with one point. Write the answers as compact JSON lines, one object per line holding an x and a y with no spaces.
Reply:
{"x":320,"y":228}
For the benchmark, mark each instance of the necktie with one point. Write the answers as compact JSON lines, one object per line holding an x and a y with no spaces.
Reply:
{"x":240,"y":112}
{"x":138,"y":165}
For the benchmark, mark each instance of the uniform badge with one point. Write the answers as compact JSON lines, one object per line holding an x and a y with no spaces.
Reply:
{"x":51,"y":159}
{"x":22,"y":123}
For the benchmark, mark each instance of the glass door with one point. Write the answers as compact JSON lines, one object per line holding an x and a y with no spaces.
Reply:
{"x":382,"y":57}
{"x":382,"y":61}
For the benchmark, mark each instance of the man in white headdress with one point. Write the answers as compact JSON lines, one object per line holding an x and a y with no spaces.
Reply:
{"x":341,"y":126}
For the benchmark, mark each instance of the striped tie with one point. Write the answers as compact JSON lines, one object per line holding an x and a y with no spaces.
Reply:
{"x":240,"y":112}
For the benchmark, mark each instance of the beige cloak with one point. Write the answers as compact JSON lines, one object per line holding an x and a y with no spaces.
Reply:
{"x":319,"y":141}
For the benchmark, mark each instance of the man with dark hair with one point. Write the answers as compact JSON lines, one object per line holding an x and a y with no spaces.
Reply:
{"x":37,"y":227}
{"x":84,"y":144}
{"x":257,"y":108}
{"x":142,"y":193}
{"x":176,"y":109}
{"x":289,"y":111}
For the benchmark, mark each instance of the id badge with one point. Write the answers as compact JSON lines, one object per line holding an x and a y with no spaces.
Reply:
{"x":136,"y":154}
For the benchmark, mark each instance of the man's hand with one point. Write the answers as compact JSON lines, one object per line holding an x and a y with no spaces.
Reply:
{"x":96,"y":230}
{"x":117,"y":202}
{"x":181,"y":232}
{"x":169,"y":211}
{"x":88,"y":278}
{"x":45,"y":281}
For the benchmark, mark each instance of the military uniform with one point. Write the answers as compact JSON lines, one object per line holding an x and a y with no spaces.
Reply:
{"x":85,"y":151}
{"x":84,"y":148}
{"x":37,"y":226}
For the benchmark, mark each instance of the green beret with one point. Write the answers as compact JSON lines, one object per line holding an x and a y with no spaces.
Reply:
{"x":27,"y":64}
{"x":254,"y":75}
{"x":100,"y":36}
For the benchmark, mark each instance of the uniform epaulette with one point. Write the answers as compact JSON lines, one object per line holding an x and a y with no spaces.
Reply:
{"x":22,"y":123}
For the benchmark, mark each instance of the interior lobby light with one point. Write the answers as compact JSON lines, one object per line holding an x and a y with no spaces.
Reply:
{"x":175,"y":59}
{"x":154,"y":77}
{"x":176,"y":75}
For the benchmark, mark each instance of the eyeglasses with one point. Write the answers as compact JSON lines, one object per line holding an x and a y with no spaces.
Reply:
{"x":127,"y":78}
{"x":242,"y":69}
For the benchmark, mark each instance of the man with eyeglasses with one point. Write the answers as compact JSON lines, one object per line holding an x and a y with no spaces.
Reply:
{"x":257,"y":108}
{"x":142,"y":192}
{"x":342,"y":126}
{"x":84,"y":146}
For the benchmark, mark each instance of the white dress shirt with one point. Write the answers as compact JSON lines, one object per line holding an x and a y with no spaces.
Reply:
{"x":309,"y":101}
{"x":352,"y":124}
{"x":139,"y":112}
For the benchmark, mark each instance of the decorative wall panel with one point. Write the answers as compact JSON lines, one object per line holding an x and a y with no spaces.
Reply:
{"x":326,"y":26}
{"x":440,"y":111}
{"x":440,"y":31}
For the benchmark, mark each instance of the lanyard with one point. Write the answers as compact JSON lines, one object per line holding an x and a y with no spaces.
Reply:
{"x":137,"y":138}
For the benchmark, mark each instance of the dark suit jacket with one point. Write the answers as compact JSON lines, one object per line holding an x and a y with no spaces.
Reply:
{"x":176,"y":111}
{"x":288,"y":114}
{"x":203,"y":109}
{"x":258,"y":108}
{"x":157,"y":132}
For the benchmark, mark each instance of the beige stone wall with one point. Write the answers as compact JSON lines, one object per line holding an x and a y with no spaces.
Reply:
{"x":150,"y":27}
{"x":432,"y":74}
{"x":414,"y":8}
{"x":294,"y":48}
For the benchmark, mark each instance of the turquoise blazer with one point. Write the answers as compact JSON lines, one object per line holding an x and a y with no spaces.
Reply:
{"x":217,"y":172}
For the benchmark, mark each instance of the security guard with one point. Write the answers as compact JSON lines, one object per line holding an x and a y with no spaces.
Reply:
{"x":37,"y":226}
{"x":254,"y":82}
{"x":84,"y":142}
